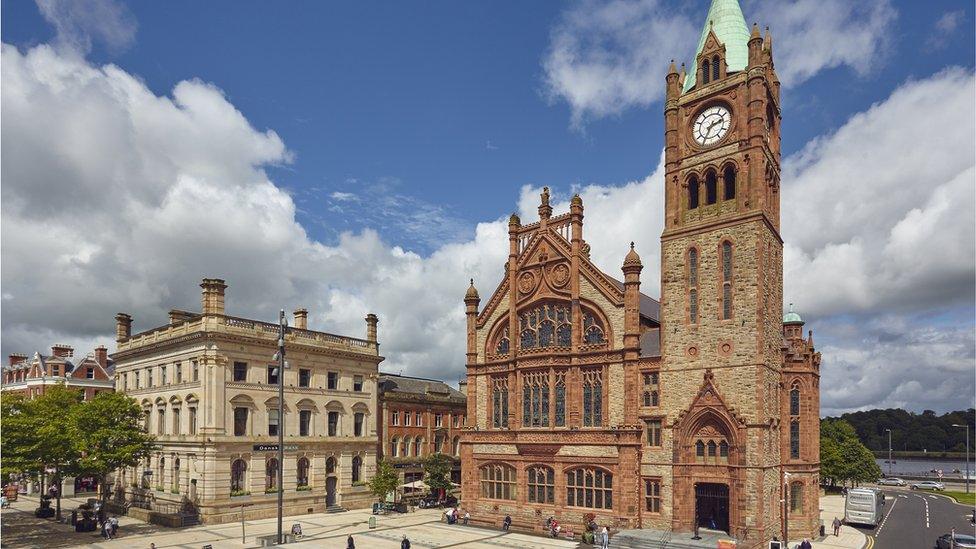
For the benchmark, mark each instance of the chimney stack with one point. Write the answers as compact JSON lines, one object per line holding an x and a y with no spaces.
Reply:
{"x":123,"y":327}
{"x":176,"y":316}
{"x":301,"y":318}
{"x":101,"y":356}
{"x":62,"y":350}
{"x":463,"y":386}
{"x":17,"y":358}
{"x":371,"y":322}
{"x":212,"y":301}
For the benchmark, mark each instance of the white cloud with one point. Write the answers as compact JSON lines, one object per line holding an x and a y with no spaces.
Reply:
{"x":606,"y":58}
{"x":115,"y":199}
{"x":80,"y":22}
{"x":945,"y":28}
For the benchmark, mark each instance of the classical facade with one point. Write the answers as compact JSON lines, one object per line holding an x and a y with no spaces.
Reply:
{"x":586,"y":396}
{"x":208,"y":384}
{"x":419,"y":417}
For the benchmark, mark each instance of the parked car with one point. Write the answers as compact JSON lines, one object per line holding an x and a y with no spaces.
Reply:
{"x":928,"y":485}
{"x":960,"y":541}
{"x":891,"y":481}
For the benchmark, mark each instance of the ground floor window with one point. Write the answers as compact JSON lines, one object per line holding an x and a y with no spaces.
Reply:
{"x":592,"y":488}
{"x":302,"y":472}
{"x":652,"y":495}
{"x":357,"y":468}
{"x":238,"y":471}
{"x":541,"y":482}
{"x":498,"y":481}
{"x":271,"y":475}
{"x":796,"y":497}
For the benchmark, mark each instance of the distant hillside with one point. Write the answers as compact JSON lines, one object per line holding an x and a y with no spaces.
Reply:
{"x":913,"y":432}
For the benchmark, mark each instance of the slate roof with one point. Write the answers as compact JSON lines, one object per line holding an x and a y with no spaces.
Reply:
{"x":650,"y":308}
{"x":420,"y":388}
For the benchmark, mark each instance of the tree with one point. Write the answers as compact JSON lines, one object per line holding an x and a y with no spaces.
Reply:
{"x":437,"y":471}
{"x":384,"y":481}
{"x":111,"y":435}
{"x":842,"y":456}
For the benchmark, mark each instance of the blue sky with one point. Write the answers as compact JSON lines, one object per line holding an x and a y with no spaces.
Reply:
{"x":396,"y":134}
{"x":445,"y":102}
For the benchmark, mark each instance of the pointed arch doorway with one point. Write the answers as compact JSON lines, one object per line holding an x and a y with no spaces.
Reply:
{"x":712,"y":505}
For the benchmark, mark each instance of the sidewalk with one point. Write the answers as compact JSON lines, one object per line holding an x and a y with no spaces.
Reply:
{"x":849,"y":538}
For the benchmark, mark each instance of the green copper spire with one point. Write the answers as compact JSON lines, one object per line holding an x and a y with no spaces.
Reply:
{"x":725,"y":18}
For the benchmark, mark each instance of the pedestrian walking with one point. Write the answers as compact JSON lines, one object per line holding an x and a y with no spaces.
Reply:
{"x":107,"y":530}
{"x":405,"y":544}
{"x":467,"y":516}
{"x":836,"y":525}
{"x":114,"y":521}
{"x":507,"y":523}
{"x":350,"y":543}
{"x":605,"y":537}
{"x":806,"y":544}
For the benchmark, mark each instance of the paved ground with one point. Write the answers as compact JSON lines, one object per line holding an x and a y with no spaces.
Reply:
{"x":916,"y":519}
{"x":423,"y":527}
{"x":850,"y":537}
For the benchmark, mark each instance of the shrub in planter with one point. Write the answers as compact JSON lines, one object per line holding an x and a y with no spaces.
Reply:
{"x":304,"y":488}
{"x":235,"y":493}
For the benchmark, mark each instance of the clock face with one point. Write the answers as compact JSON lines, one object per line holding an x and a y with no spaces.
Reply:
{"x":712,"y":125}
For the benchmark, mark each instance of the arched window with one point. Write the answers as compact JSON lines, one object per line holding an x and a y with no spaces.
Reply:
{"x":795,"y":439}
{"x":710,"y":187}
{"x":498,"y":481}
{"x":161,"y":465}
{"x":330,"y":465}
{"x":723,"y":449}
{"x":503,"y":343}
{"x":394,"y":447}
{"x":592,"y":488}
{"x":796,"y":497}
{"x":499,"y":398}
{"x":728,"y":177}
{"x":592,"y":331}
{"x":559,"y":418}
{"x":700,"y":449}
{"x":456,"y":446}
{"x":542,"y":484}
{"x":726,"y":280}
{"x":592,"y":398}
{"x":418,"y":447}
{"x":271,"y":475}
{"x":407,"y":446}
{"x":302,"y":472}
{"x":692,"y":193}
{"x":715,"y":67}
{"x":693,"y":286}
{"x":238,"y":470}
{"x":650,"y":395}
{"x":535,"y":399}
{"x":795,"y":400}
{"x":357,"y":469}
{"x":712,"y":448}
{"x":547,"y":325}
{"x":706,"y":71}
{"x":438,"y":444}
{"x":175,"y":483}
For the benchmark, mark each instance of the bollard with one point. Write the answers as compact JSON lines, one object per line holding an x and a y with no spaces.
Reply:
{"x":372,"y":522}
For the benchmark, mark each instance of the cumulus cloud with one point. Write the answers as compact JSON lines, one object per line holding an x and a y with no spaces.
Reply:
{"x":604,"y":58}
{"x":117,"y":199}
{"x":79,"y":23}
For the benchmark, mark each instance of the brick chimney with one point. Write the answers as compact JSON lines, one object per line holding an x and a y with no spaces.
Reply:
{"x":176,"y":316}
{"x":371,"y":322}
{"x":17,"y":358}
{"x":463,"y":386}
{"x":101,"y":356}
{"x":301,"y":319}
{"x":62,"y":350}
{"x":212,"y":301}
{"x":123,"y":327}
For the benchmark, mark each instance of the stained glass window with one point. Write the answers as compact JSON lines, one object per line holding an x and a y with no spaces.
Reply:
{"x":498,"y":481}
{"x":499,"y":398}
{"x":592,"y":488}
{"x":545,"y":326}
{"x":795,"y":440}
{"x":560,"y":415}
{"x":593,"y":398}
{"x":593,"y":333}
{"x":503,"y":343}
{"x":700,"y":449}
{"x":541,"y":483}
{"x":795,"y":401}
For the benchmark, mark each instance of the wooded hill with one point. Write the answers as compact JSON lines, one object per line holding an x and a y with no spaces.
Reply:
{"x":911,"y":431}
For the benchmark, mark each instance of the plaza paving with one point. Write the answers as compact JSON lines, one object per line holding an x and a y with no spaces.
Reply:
{"x":20,"y":529}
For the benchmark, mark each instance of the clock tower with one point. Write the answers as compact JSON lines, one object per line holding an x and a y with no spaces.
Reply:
{"x":722,"y":286}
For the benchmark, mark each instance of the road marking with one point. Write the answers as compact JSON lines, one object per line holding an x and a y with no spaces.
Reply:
{"x":885,"y":519}
{"x":932,"y":497}
{"x":926,"y":512}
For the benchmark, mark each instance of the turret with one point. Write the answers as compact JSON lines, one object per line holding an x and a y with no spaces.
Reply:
{"x":471,"y":301}
{"x":371,"y":322}
{"x":755,"y":47}
{"x":632,"y":268}
{"x":123,"y":327}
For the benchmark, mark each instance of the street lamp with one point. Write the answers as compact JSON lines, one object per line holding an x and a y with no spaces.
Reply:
{"x":966,"y":427}
{"x":889,"y":451}
{"x":282,"y":328}
{"x":786,"y":508}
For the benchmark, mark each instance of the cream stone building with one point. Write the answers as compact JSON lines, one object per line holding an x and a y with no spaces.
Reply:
{"x":207,"y":383}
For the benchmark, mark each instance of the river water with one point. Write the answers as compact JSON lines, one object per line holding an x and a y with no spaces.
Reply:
{"x":923,"y":467}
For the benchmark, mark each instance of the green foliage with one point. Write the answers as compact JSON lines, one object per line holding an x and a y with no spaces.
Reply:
{"x":385,"y":481}
{"x":437,"y":471}
{"x":911,"y":431}
{"x":58,"y":430}
{"x":961,"y":497}
{"x":842,"y":456}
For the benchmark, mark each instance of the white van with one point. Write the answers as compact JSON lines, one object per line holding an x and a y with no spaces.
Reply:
{"x":863,"y":506}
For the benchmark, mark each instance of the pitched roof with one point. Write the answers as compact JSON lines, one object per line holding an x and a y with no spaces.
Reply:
{"x":428,"y":389}
{"x":725,"y":19}
{"x":650,"y":308}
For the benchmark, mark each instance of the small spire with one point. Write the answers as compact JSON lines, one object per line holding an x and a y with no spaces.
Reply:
{"x":545,"y":210}
{"x":791,"y":305}
{"x":768,"y":42}
{"x":755,"y":31}
{"x":472,"y":293}
{"x":672,"y":69}
{"x":631,"y":244}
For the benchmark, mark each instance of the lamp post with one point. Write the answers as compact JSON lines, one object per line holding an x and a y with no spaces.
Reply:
{"x":889,"y":451}
{"x":966,"y":427}
{"x":786,"y":509}
{"x":282,"y":326}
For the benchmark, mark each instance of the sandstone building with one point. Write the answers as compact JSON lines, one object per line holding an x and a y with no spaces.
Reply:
{"x":586,"y":396}
{"x":419,"y":417}
{"x":208,"y":384}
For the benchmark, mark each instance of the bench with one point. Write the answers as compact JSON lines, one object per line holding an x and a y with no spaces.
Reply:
{"x":271,"y":540}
